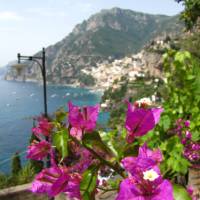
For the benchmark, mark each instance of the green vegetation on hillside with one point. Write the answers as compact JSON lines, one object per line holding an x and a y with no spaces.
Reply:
{"x":128,"y":91}
{"x":191,"y":13}
{"x":110,"y":33}
{"x":86,"y":79}
{"x":16,"y":164}
{"x":20,"y":175}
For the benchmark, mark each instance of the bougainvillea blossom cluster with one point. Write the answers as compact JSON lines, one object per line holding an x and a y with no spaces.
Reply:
{"x":55,"y":180}
{"x":141,"y":178}
{"x":82,"y":119}
{"x":144,"y":180}
{"x":44,"y":127}
{"x":191,"y":148}
{"x":191,"y":193}
{"x":140,"y":120}
{"x":38,"y":150}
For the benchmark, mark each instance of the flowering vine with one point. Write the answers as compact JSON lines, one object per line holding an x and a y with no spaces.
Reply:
{"x":82,"y":160}
{"x":191,"y":148}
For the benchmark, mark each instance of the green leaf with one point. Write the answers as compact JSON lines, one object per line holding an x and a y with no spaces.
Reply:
{"x":90,"y":137}
{"x":86,"y":196}
{"x":182,"y":56}
{"x":195,"y":136}
{"x":60,"y":115}
{"x":60,"y":140}
{"x":165,"y":56}
{"x":190,"y":77}
{"x":110,"y":139}
{"x":88,"y":183}
{"x":94,"y":140}
{"x":180,"y":193}
{"x":165,"y":122}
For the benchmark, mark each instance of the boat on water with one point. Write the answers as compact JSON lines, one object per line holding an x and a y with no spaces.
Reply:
{"x":54,"y":95}
{"x":31,"y":95}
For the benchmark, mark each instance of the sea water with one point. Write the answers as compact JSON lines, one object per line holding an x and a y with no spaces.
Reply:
{"x":19,"y":102}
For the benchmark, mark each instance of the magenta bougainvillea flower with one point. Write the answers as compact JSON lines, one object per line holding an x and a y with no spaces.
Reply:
{"x":44,"y":127}
{"x":144,"y":181}
{"x":155,"y":155}
{"x":187,"y":123}
{"x":85,"y":160}
{"x":76,"y":132}
{"x":191,"y":193}
{"x":191,"y":148}
{"x":146,"y":158}
{"x":140,"y":120}
{"x":192,"y":152}
{"x":146,"y":190}
{"x":55,"y":180}
{"x":82,"y":119}
{"x":38,"y":150}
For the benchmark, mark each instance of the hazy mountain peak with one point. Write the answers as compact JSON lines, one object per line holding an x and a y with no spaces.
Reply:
{"x":111,"y":33}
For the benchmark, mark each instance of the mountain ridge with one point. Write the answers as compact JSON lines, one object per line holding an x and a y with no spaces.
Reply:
{"x":107,"y":35}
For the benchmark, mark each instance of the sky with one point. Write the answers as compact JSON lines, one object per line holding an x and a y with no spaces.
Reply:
{"x":28,"y":25}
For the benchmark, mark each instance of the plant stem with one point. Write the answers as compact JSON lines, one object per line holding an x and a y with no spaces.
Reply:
{"x":107,"y":190}
{"x":117,"y":169}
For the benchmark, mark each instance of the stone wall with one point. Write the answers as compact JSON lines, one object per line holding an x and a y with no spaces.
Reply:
{"x":21,"y":192}
{"x":194,"y":181}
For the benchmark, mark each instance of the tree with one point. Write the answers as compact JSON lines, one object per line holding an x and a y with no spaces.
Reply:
{"x":192,"y":44}
{"x":87,"y":79}
{"x":16,"y":164}
{"x":191,"y":13}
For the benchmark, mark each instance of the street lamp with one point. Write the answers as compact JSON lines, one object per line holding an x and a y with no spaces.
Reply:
{"x":42,"y":65}
{"x":40,"y":60}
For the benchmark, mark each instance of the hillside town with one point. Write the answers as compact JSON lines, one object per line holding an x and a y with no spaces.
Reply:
{"x":137,"y":65}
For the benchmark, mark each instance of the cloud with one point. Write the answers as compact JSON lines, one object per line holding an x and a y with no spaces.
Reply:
{"x":65,"y":7}
{"x":86,"y":7}
{"x":47,"y":12}
{"x":7,"y":29}
{"x":10,"y":16}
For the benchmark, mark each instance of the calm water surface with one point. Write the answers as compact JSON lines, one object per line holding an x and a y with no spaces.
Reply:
{"x":20,"y":101}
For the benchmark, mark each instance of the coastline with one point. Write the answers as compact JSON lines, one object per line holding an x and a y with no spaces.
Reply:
{"x":95,"y":88}
{"x":21,"y":100}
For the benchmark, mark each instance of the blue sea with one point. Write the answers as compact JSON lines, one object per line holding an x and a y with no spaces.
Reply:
{"x":19,"y":102}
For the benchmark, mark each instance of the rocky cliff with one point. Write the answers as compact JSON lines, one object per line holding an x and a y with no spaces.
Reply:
{"x":108,"y":35}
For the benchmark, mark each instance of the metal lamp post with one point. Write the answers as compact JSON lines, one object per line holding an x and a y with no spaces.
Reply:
{"x":40,"y":60}
{"x":42,"y":65}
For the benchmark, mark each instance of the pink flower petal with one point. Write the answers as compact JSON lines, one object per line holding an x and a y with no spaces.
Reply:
{"x":139,"y":121}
